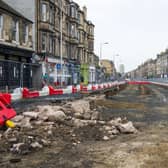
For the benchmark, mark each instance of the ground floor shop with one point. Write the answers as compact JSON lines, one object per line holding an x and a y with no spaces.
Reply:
{"x":88,"y":74}
{"x":16,"y":69}
{"x":68,"y":72}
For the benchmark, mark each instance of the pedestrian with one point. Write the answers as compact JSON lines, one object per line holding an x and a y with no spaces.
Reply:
{"x":45,"y":79}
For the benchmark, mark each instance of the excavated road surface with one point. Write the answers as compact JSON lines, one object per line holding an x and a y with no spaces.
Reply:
{"x":146,"y":106}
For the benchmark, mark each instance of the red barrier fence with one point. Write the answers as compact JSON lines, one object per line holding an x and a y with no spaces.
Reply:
{"x":6,"y":111}
{"x":139,"y":83}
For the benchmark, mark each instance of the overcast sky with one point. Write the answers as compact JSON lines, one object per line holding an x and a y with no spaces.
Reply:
{"x":135,"y":29}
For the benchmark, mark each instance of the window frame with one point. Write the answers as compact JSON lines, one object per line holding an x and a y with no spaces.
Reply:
{"x":43,"y":41}
{"x":1,"y":25}
{"x":15,"y":29}
{"x":25,"y":31}
{"x":44,"y":12}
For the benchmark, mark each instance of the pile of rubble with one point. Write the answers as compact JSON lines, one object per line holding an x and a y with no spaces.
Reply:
{"x":35,"y":129}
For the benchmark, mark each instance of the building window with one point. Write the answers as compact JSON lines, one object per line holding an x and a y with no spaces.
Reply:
{"x":44,"y":41}
{"x":1,"y":25}
{"x":73,"y":31}
{"x":44,"y":12}
{"x":25,"y":33}
{"x":73,"y":12}
{"x":52,"y":45}
{"x":52,"y":15}
{"x":1,"y":71}
{"x":15,"y":30}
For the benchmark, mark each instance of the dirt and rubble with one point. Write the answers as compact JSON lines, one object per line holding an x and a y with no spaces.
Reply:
{"x":125,"y":130}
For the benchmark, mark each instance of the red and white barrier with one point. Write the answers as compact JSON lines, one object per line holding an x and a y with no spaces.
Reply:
{"x":53,"y":91}
{"x":17,"y":94}
{"x":44,"y":92}
{"x":20,"y":93}
{"x":29,"y":94}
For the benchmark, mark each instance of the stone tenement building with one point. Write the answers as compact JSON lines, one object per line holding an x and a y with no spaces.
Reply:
{"x":60,"y":29}
{"x":153,"y":68}
{"x":109,"y":67}
{"x":16,"y":48}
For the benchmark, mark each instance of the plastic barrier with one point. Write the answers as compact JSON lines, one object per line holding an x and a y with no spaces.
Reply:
{"x":20,"y":93}
{"x":139,"y":82}
{"x":78,"y":88}
{"x":6,"y":112}
{"x":99,"y":87}
{"x":94,"y":87}
{"x":67,"y":90}
{"x":89,"y":87}
{"x":29,"y":94}
{"x":74,"y":89}
{"x":84,"y":88}
{"x":17,"y":94}
{"x":44,"y":91}
{"x":53,"y":91}
{"x":7,"y":97}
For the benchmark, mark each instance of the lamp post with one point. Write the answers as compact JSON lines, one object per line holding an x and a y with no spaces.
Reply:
{"x":61,"y":20}
{"x":101,"y":46}
{"x":116,"y":55}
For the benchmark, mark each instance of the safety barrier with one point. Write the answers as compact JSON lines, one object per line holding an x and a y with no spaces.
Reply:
{"x":53,"y":91}
{"x":6,"y":112}
{"x":159,"y":83}
{"x":20,"y":93}
{"x":17,"y":94}
{"x":139,"y":82}
{"x":29,"y":94}
{"x":44,"y":92}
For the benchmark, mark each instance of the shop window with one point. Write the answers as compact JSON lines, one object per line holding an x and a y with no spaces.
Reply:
{"x":1,"y":71}
{"x":15,"y":72}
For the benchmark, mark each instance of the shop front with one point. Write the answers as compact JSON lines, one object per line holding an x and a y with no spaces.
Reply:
{"x":16,"y":69}
{"x":92,"y":74}
{"x":52,"y":69}
{"x":74,"y":71}
{"x":85,"y":74}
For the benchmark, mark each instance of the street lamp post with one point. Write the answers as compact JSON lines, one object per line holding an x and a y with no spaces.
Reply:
{"x":101,"y":46}
{"x":61,"y":20}
{"x":116,"y":55}
{"x":100,"y":57}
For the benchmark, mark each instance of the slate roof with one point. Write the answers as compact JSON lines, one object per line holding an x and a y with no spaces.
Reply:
{"x":11,"y":10}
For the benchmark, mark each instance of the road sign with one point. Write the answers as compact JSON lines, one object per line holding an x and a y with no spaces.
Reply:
{"x":58,"y":66}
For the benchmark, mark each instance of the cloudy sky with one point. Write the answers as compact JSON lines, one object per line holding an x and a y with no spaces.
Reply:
{"x":136,"y":30}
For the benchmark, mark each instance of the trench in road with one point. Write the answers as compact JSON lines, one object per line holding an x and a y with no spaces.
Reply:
{"x":139,"y":103}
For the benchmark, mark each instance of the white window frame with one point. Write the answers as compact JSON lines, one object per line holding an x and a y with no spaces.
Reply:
{"x":17,"y":32}
{"x":44,"y":35}
{"x":44,"y":14}
{"x":1,"y":26}
{"x":27,"y":34}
